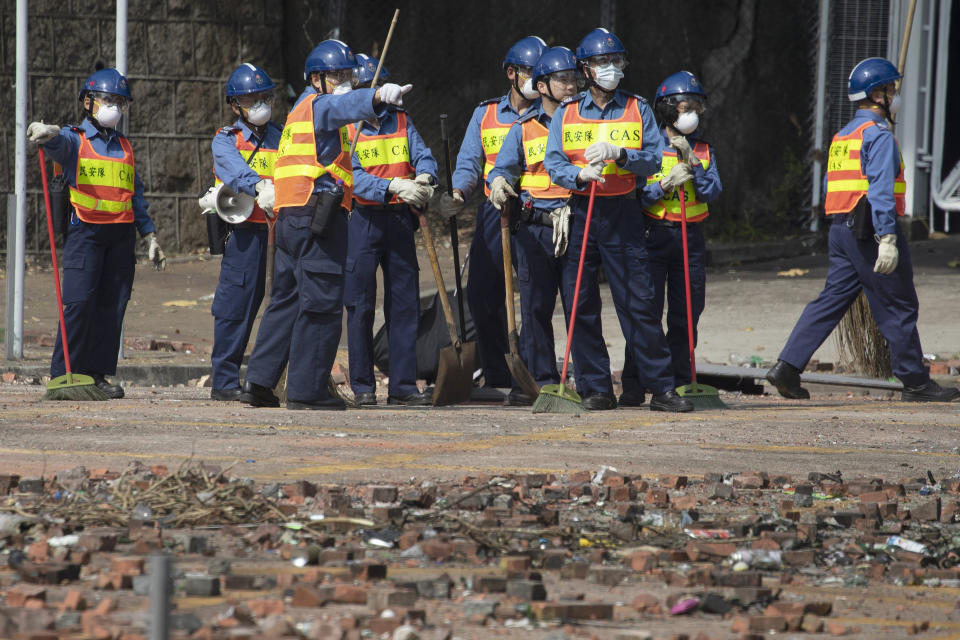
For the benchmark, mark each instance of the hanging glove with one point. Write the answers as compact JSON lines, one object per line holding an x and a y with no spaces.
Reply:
{"x":155,"y":253}
{"x":500,"y":190}
{"x":679,"y":174}
{"x":393,"y":93}
{"x":887,"y":254}
{"x":410,"y":191}
{"x":41,"y":133}
{"x":265,"y":195}
{"x":208,"y":201}
{"x":602,"y":152}
{"x":451,"y":205}
{"x":591,"y":173}
{"x":560,"y":217}
{"x":683,"y":150}
{"x":429,"y":183}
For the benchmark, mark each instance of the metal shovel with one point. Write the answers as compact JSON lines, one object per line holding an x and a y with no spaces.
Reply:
{"x":515,"y":363}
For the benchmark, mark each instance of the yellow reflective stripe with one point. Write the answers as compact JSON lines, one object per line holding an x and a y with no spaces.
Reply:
{"x":582,"y":135}
{"x":535,"y":149}
{"x":88,"y":202}
{"x":382,"y":151}
{"x":838,"y":156}
{"x":487,"y":168}
{"x":299,"y":126}
{"x":297,"y":170}
{"x":848,"y":185}
{"x":346,"y":176}
{"x":899,"y":187}
{"x":263,"y":162}
{"x":105,"y":173}
{"x":844,"y":165}
{"x":534,"y":181}
{"x":298,"y":149}
{"x":492,"y":139}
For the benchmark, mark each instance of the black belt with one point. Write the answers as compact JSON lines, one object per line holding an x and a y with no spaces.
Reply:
{"x":398,"y":207}
{"x":249,"y":225}
{"x":671,"y":224}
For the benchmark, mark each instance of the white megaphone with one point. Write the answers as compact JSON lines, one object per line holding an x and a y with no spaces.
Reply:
{"x":230,"y":206}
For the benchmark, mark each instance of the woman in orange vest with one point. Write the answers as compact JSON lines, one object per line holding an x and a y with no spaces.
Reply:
{"x":108,"y":208}
{"x":865,"y":189}
{"x":393,"y":171}
{"x":688,"y":164}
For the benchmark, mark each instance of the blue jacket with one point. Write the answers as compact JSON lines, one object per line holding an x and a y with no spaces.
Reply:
{"x":706,"y":182}
{"x":470,"y":160}
{"x":643,"y":162}
{"x":512,"y":161}
{"x":65,"y":149}
{"x":230,"y":166}
{"x":371,"y":187}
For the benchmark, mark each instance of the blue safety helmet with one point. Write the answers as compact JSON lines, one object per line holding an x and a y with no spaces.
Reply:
{"x":525,"y":52}
{"x":365,"y":70}
{"x":868,"y":75}
{"x":679,"y":83}
{"x":597,"y":43}
{"x":329,"y":55}
{"x":248,"y":78}
{"x":554,"y":59}
{"x":106,"y":81}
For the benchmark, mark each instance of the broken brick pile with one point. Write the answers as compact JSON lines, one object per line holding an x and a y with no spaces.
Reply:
{"x":586,"y":554}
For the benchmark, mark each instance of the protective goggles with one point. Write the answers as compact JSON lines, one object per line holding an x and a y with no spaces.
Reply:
{"x":686,"y":102}
{"x":616,"y":59}
{"x":562,"y":77}
{"x":109,"y":99}
{"x":250,"y":99}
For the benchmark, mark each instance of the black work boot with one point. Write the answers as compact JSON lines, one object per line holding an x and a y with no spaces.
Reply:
{"x":365,"y":399}
{"x":632,"y":398}
{"x":670,"y":401}
{"x":254,"y":394}
{"x":930,"y":392}
{"x":112,"y":391}
{"x":599,"y":402}
{"x":517,"y":398}
{"x":417,"y":399}
{"x":326,"y":404}
{"x":786,"y":378}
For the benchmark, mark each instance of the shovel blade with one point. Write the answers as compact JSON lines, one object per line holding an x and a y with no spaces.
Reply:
{"x":455,"y":375}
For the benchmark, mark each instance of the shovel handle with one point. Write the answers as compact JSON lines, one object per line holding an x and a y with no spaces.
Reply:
{"x":438,"y":276}
{"x":508,"y":265}
{"x":686,"y":282}
{"x":56,"y":267}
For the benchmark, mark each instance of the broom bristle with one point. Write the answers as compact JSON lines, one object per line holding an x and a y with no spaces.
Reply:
{"x":701,"y":396}
{"x":557,"y":399}
{"x":859,"y":341}
{"x":706,"y":402}
{"x":82,"y":392}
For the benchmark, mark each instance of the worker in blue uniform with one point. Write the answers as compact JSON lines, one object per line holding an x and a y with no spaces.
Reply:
{"x":393,"y":170}
{"x":608,"y":136}
{"x":243,"y":159}
{"x":865,"y":194}
{"x":539,"y":243}
{"x":106,"y":195}
{"x":312,"y":181}
{"x":478,"y":154}
{"x":689,"y":164}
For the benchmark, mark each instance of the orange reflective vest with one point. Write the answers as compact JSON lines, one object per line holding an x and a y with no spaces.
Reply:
{"x":846,"y":182}
{"x":263,"y":164}
{"x":297,"y":168}
{"x":384,"y":156}
{"x":669,"y":206}
{"x":535,"y":180}
{"x":104,"y":191}
{"x":492,"y":134}
{"x":625,"y":131}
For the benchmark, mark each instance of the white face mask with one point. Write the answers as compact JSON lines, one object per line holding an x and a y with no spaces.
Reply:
{"x":608,"y":76}
{"x":342,"y":88}
{"x":895,"y":104}
{"x":687,"y":122}
{"x":259,"y":113}
{"x":108,"y":115}
{"x":528,"y":91}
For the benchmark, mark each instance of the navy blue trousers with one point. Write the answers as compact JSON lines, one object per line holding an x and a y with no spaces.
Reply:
{"x":539,"y":274}
{"x":303,"y":320}
{"x":665,"y":246}
{"x":486,"y":296}
{"x":98,"y":265}
{"x":617,"y":243}
{"x":236,"y":302}
{"x":385,"y":238}
{"x":892,"y":298}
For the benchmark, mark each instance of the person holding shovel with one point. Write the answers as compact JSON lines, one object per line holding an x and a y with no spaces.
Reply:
{"x":243,"y":160}
{"x":865,"y":195}
{"x":106,"y":196}
{"x":393,"y":170}
{"x":609,"y":137}
{"x":688,"y":164}
{"x":540,"y":241}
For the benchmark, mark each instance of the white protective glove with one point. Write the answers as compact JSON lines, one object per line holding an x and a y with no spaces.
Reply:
{"x":592,"y":173}
{"x":561,"y":229}
{"x":500,"y":190}
{"x":393,"y":93}
{"x":682,"y":147}
{"x":265,"y":196}
{"x":410,"y":191}
{"x":40,"y":133}
{"x":208,"y":201}
{"x":451,"y":205}
{"x":155,"y":253}
{"x":428,"y":182}
{"x":680,"y":174}
{"x":602,"y":152}
{"x":887,"y":254}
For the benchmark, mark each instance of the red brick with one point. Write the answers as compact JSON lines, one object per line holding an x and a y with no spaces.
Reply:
{"x":699,"y":551}
{"x":350,"y":594}
{"x":384,"y":625}
{"x":672,"y":482}
{"x":835,"y":628}
{"x":436,"y":549}
{"x":264,"y":607}
{"x":515,"y":564}
{"x":768,"y":544}
{"x":73,"y":601}
{"x":305,"y":596}
{"x":642,"y":561}
{"x":127,"y":565}
{"x":784,"y":609}
{"x":38,"y":551}
{"x":762,"y":624}
{"x":681,"y":503}
{"x":579,"y":477}
{"x":18,"y":595}
{"x":647,"y":603}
